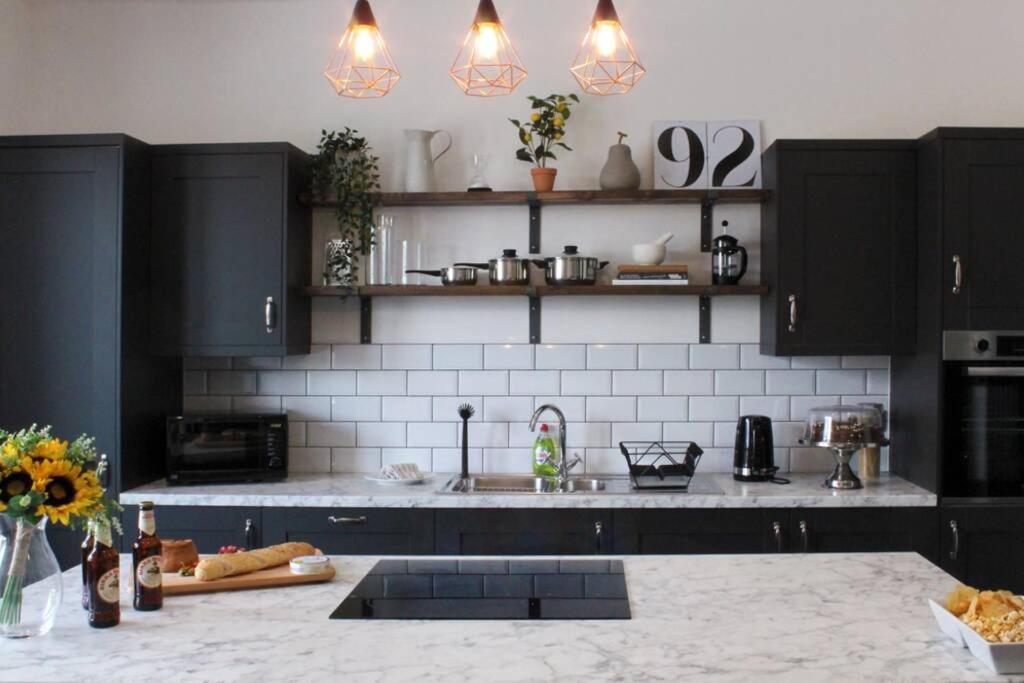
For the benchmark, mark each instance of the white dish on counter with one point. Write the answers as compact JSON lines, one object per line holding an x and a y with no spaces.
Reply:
{"x":1002,"y":658}
{"x":397,"y":482}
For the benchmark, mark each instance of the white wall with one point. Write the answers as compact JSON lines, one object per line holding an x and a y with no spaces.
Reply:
{"x":13,"y":58}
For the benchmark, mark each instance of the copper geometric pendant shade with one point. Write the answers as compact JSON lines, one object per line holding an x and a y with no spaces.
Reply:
{"x":606,"y":63}
{"x":487,"y":65}
{"x":361,"y":66}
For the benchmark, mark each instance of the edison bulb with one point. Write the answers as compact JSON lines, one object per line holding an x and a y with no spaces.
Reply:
{"x":487,"y":40}
{"x":363,"y":43}
{"x":606,"y":37}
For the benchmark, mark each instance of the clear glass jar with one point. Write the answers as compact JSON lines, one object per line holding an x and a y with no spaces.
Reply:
{"x":855,"y":425}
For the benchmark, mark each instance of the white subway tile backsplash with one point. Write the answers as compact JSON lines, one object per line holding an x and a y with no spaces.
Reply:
{"x":878,"y":381}
{"x":319,"y":358}
{"x":406,"y":409}
{"x":533,"y":382}
{"x":508,"y":357}
{"x":450,"y":460}
{"x":507,"y":460}
{"x":611,"y":357}
{"x":716,"y":461}
{"x":380,"y":434}
{"x":605,"y":461}
{"x":508,"y":408}
{"x":308,"y":408}
{"x":636,"y":431}
{"x":356,"y":408}
{"x":458,"y":357}
{"x":433,"y":383}
{"x":560,"y":357}
{"x":799,"y":406}
{"x":206,"y":404}
{"x":689,"y":382}
{"x":381,"y":382}
{"x":331,"y":382}
{"x":714,"y":356}
{"x":573,"y":407}
{"x":421,"y":457}
{"x":739,"y":382}
{"x":637,"y":382}
{"x":256,"y":363}
{"x":787,"y":434}
{"x":355,"y":460}
{"x":331,"y":433}
{"x":701,"y":433}
{"x":789,"y":382}
{"x":751,"y":359}
{"x":255,"y":404}
{"x":663,"y":356}
{"x":407,"y":357}
{"x":774,"y":407}
{"x":304,"y":460}
{"x":587,"y":434}
{"x":814,"y":362}
{"x":446,"y":408}
{"x":810,"y":460}
{"x":431,"y":434}
{"x":866,"y":362}
{"x":193,"y":383}
{"x":586,"y":382}
{"x":483,"y":382}
{"x":296,"y":434}
{"x":611,"y":409}
{"x":355,"y":357}
{"x":233,"y":383}
{"x":281,"y":383}
{"x":485,"y":435}
{"x":520,"y":435}
{"x":713,"y":408}
{"x":725,"y":435}
{"x":661,"y":408}
{"x":841,"y":382}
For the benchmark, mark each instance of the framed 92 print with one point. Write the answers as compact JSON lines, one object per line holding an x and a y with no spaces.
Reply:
{"x":680,"y":155}
{"x":734,"y":154}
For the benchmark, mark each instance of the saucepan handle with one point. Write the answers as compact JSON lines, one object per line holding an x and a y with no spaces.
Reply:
{"x":435,"y":273}
{"x":602,"y":264}
{"x":481,"y":266}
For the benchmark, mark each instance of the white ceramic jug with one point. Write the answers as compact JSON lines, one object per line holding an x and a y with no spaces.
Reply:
{"x":419,"y":159}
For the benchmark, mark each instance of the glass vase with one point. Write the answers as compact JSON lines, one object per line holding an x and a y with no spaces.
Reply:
{"x":31,"y":586}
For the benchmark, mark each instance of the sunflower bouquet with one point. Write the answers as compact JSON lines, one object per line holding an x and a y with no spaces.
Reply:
{"x":42,"y":477}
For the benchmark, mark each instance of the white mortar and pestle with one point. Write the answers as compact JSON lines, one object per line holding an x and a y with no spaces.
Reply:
{"x":653,"y":253}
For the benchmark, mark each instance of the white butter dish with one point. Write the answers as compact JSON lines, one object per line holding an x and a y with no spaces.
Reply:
{"x":309,"y":564}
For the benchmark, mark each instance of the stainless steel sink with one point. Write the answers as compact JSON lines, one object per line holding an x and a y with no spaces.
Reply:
{"x":522,"y":484}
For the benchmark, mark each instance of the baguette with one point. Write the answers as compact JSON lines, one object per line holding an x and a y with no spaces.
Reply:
{"x":253,"y":561}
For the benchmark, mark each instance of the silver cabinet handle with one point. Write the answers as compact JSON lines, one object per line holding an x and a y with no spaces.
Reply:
{"x":777,"y":533}
{"x":792,"y":312}
{"x":955,"y":528}
{"x":805,"y":536}
{"x":270,"y":315}
{"x":958,"y":274}
{"x":599,"y":534}
{"x":250,"y":540}
{"x":347,"y":520}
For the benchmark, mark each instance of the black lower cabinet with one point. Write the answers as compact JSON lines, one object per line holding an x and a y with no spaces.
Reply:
{"x":209,"y":527}
{"x":353,"y":531}
{"x":523,"y":532}
{"x":653,"y":532}
{"x":865,"y":530}
{"x":983,"y":546}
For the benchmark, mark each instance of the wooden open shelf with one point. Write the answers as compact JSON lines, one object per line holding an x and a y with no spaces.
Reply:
{"x":557,"y":197}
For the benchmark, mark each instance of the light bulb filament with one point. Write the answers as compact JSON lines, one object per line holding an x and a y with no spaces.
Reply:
{"x":487,"y":40}
{"x":363,"y":42}
{"x":606,"y":37}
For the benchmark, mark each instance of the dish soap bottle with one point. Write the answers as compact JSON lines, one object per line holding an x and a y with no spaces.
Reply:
{"x":545,"y":454}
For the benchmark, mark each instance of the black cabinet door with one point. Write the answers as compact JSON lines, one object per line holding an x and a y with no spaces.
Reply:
{"x":855,"y":530}
{"x":692,"y":531}
{"x":353,"y":531}
{"x":523,"y":532}
{"x":984,"y":197}
{"x":225,"y":252}
{"x":983,"y":545}
{"x":838,"y":248}
{"x":210,"y":527}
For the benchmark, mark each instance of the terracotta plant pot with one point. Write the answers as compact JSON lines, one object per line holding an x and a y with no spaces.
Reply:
{"x":543,"y":178}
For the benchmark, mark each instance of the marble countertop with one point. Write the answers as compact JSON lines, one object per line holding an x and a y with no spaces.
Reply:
{"x":807,"y":617}
{"x":341,"y":490}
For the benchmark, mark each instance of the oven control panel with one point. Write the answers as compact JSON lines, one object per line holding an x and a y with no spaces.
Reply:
{"x":969,"y":345}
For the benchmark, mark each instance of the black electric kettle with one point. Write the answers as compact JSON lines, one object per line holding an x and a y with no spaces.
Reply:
{"x":728,"y":260}
{"x":754,"y":458}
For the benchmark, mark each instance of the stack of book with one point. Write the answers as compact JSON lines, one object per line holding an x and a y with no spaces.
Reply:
{"x":664,"y":274}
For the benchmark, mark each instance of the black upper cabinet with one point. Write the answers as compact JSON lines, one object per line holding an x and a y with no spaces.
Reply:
{"x":231,"y":250}
{"x":838,"y":247}
{"x":74,"y":215}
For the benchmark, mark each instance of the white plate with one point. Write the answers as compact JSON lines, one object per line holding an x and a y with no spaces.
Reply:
{"x":397,"y":482}
{"x":1002,"y":658}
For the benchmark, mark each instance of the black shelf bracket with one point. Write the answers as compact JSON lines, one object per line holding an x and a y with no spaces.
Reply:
{"x":535,"y":320}
{"x":534,"y":204}
{"x":705,"y":320}
{"x":707,"y":214}
{"x":365,"y":320}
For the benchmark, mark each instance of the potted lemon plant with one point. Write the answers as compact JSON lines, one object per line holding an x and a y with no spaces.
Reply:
{"x":542,"y":133}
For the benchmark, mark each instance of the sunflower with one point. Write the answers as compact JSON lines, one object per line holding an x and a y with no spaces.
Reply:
{"x":50,"y":449}
{"x":15,"y":482}
{"x":69,"y":490}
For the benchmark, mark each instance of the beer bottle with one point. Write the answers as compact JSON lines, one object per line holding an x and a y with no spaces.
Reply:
{"x":86,"y":549}
{"x":104,"y":579}
{"x":148,"y":563}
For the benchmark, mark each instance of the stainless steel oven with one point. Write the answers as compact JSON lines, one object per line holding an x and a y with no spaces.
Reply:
{"x":984,"y":424}
{"x":226,"y":448}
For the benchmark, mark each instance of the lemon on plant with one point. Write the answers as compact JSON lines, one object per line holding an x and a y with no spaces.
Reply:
{"x":535,"y":117}
{"x":559,"y":122}
{"x":560,"y":106}
{"x":527,"y":136}
{"x":558,"y":135}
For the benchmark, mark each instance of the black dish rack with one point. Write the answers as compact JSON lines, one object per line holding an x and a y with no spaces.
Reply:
{"x":661,"y":465}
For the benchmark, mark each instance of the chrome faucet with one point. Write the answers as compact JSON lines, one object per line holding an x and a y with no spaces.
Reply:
{"x":564,"y":465}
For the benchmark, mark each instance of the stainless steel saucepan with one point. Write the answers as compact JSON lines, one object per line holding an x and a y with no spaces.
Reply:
{"x":570,"y":268}
{"x":508,"y":269}
{"x":451,"y":276}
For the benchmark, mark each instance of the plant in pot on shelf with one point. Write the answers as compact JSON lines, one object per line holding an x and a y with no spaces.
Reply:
{"x":42,"y":479}
{"x":542,"y":134}
{"x":344,"y":170}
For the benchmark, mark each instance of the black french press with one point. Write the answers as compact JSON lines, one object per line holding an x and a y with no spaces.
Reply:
{"x":728,"y":260}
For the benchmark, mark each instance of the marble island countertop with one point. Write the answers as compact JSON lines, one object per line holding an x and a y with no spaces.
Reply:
{"x":710,"y":491}
{"x":811,"y":617}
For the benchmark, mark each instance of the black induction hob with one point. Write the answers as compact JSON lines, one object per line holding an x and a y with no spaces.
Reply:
{"x":489,"y":589}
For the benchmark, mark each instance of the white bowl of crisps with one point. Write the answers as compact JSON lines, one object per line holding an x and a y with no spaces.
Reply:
{"x":989,"y":623}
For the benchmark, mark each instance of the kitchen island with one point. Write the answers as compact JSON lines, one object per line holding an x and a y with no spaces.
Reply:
{"x":709,"y":618}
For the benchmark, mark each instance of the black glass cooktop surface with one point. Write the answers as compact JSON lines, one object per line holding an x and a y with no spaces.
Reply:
{"x":489,"y":589}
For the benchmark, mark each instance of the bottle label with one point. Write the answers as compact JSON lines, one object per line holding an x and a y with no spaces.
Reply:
{"x":108,"y":588}
{"x":147,"y":522}
{"x":103,"y":535}
{"x":148,"y":572}
{"x":542,"y":455}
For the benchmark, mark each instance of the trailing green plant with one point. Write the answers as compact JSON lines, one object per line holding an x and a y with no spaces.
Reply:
{"x":545,"y":129}
{"x":344,"y":169}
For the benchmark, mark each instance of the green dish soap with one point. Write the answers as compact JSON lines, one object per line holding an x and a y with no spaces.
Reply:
{"x":545,"y":454}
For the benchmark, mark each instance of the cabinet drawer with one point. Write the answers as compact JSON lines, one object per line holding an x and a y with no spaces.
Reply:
{"x":855,"y":530}
{"x":523,"y":532}
{"x":354,"y":531}
{"x":699,"y":531}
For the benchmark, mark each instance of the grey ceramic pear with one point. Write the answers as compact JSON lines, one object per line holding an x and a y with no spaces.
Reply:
{"x":619,"y":172}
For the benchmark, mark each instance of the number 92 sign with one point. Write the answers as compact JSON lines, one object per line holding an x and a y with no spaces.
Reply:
{"x":707,"y":154}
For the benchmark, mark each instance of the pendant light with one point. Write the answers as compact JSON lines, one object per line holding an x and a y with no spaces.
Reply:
{"x":361,"y":66}
{"x":606,"y":63}
{"x":487,"y":65}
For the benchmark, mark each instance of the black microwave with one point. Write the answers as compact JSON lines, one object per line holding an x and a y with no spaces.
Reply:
{"x":207,"y":449}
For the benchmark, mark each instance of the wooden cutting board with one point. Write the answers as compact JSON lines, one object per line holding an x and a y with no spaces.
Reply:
{"x":276,"y":577}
